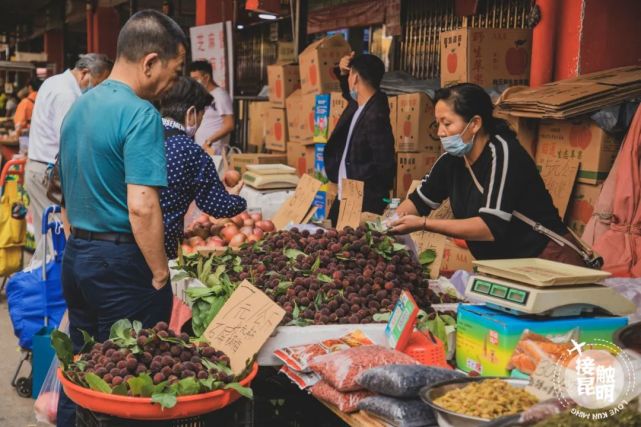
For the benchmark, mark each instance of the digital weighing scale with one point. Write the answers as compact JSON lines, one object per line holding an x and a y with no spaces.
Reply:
{"x":270,"y":177}
{"x":535,"y":286}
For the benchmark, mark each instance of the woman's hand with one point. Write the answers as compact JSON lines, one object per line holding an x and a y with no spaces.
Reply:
{"x":235,"y":190}
{"x":408,"y":224}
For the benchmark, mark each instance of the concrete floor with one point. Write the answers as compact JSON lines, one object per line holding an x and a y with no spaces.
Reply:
{"x":15,"y":411}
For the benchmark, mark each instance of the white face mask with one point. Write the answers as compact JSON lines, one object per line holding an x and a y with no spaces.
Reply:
{"x":191,"y":130}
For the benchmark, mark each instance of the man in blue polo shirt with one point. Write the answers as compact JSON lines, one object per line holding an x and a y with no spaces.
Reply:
{"x":112,"y":164}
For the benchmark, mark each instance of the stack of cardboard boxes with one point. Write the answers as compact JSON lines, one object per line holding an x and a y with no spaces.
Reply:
{"x":283,"y":81}
{"x":416,"y":139}
{"x":595,"y":150}
{"x":311,"y":113}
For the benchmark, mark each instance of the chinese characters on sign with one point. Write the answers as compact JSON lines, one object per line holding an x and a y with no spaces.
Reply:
{"x":208,"y":42}
{"x":243,"y":325}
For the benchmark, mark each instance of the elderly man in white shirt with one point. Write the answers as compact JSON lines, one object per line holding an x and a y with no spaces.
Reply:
{"x":55,"y":97}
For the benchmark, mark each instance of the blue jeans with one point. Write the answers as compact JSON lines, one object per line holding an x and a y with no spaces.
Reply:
{"x":104,"y":282}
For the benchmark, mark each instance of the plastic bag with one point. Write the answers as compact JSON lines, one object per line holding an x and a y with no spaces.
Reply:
{"x":345,"y":402}
{"x":298,"y":357}
{"x":46,"y":405}
{"x":399,"y":413}
{"x":404,"y":380}
{"x":342,"y":368}
{"x":532,"y":347}
{"x":302,"y":379}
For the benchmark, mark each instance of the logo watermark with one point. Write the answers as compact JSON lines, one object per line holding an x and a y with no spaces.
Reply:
{"x":596,"y":379}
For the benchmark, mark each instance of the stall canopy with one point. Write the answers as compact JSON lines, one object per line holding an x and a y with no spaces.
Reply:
{"x":362,"y":13}
{"x":620,"y":243}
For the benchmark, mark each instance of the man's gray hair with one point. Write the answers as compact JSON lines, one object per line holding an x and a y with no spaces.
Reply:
{"x":96,"y":63}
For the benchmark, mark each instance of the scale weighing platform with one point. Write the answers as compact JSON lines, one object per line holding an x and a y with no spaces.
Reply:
{"x":534,"y":286}
{"x":270,"y":177}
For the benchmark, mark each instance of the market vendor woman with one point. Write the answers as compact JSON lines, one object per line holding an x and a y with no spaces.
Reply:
{"x":191,"y":172}
{"x":490,"y":180}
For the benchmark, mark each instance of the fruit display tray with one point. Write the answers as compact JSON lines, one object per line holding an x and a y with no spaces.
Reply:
{"x":142,"y":408}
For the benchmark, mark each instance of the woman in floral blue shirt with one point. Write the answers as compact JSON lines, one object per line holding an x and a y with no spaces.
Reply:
{"x":191,"y":172}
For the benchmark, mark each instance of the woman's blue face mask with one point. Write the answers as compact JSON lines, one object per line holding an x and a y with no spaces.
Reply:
{"x":455,"y":145}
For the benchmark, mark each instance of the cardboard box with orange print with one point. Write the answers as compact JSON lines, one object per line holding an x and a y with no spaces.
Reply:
{"x":416,"y":125}
{"x":410,"y":167}
{"x":276,"y":130}
{"x":283,"y":81}
{"x":257,"y":119}
{"x":527,"y":131}
{"x":393,"y":114}
{"x":486,"y":56}
{"x":300,"y":155}
{"x":317,"y":63}
{"x":581,"y":208}
{"x":583,"y":140}
{"x":296,"y":126}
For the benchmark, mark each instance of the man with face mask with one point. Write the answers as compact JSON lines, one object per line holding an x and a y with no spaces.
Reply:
{"x":218,"y":122}
{"x":362,"y":144}
{"x":56,"y":95}
{"x":112,"y":166}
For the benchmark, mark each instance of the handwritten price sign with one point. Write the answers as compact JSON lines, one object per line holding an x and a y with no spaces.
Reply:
{"x":243,"y":325}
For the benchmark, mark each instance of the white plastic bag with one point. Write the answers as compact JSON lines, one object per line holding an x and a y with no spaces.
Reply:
{"x":46,"y":406}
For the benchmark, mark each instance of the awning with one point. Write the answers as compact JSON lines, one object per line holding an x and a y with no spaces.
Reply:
{"x":362,"y":13}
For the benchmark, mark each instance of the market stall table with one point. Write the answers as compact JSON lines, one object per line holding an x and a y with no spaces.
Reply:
{"x":357,"y":419}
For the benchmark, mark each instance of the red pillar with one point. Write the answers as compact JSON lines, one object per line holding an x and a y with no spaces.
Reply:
{"x":213,"y":11}
{"x":568,"y":46}
{"x":54,"y":48}
{"x":106,"y":26}
{"x":611,"y":31}
{"x":544,"y":38}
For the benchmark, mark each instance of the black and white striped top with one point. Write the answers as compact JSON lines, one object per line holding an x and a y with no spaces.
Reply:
{"x":503,"y":179}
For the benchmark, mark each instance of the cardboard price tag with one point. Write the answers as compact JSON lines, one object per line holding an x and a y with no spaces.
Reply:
{"x":243,"y":324}
{"x":559,"y":176}
{"x":547,"y":378}
{"x":351,"y":205}
{"x":297,"y":206}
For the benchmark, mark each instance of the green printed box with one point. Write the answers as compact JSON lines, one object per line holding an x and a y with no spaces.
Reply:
{"x":486,"y":338}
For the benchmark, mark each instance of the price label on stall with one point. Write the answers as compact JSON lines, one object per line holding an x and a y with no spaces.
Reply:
{"x":546,"y":380}
{"x":401,"y":323}
{"x":296,"y":208}
{"x":243,"y":324}
{"x":351,"y":206}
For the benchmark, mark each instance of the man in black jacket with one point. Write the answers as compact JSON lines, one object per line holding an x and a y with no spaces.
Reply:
{"x":362,"y":144}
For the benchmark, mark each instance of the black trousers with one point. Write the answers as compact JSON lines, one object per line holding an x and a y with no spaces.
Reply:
{"x":104,"y":282}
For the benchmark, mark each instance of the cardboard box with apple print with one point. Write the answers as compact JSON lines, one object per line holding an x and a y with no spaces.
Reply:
{"x":317,"y":63}
{"x":393,"y":114}
{"x":584,"y":140}
{"x":300,"y":155}
{"x":486,"y":56}
{"x":527,"y":131}
{"x":257,"y":120}
{"x":283,"y":81}
{"x":300,"y":116}
{"x":276,"y":132}
{"x":409,"y":167}
{"x":416,"y":125}
{"x":582,"y":205}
